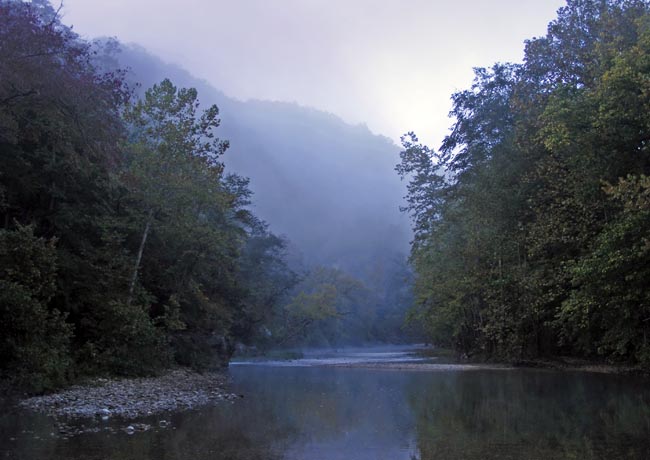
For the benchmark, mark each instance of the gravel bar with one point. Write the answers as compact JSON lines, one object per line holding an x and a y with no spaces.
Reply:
{"x":131,"y":398}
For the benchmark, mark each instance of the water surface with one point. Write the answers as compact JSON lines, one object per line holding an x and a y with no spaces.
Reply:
{"x":304,"y":410}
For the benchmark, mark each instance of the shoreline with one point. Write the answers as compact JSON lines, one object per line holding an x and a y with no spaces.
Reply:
{"x":558,"y":363}
{"x":572,"y":365}
{"x":184,"y":389}
{"x":131,"y":398}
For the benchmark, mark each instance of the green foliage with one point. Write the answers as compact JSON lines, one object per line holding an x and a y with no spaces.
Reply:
{"x":519,"y":250}
{"x":124,"y":342}
{"x":267,"y":281}
{"x":35,"y":340}
{"x":609,"y":306}
{"x":61,"y":136}
{"x":326,"y":308}
{"x":193,"y":219}
{"x":157,"y":258}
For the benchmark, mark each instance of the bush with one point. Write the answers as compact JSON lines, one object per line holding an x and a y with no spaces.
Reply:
{"x":35,"y":343}
{"x":125,"y":342}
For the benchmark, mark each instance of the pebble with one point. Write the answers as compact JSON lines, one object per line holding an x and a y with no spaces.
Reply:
{"x":132,"y":398}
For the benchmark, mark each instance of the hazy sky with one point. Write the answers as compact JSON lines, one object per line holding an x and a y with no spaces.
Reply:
{"x":391,"y":64}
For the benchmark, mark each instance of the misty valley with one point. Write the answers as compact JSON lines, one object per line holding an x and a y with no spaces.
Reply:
{"x":212,"y":264}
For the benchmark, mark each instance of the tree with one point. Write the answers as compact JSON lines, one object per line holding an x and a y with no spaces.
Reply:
{"x":518,"y":244}
{"x":35,"y":340}
{"x":172,"y":148}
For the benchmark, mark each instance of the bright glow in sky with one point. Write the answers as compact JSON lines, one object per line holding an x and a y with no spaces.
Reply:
{"x":391,"y":64}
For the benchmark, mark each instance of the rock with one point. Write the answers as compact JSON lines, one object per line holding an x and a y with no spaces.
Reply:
{"x":141,"y":427}
{"x":131,"y":398}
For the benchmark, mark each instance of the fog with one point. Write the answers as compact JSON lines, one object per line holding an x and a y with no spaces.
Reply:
{"x":329,"y":187}
{"x":304,"y":90}
{"x":391,"y":64}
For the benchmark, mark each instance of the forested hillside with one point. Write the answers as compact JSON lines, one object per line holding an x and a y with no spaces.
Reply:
{"x":532,"y":220}
{"x":129,"y":245}
{"x":125,"y":245}
{"x":329,"y":188}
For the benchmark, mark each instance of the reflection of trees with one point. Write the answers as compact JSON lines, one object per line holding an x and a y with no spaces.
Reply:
{"x":528,"y":414}
{"x":283,"y":409}
{"x":223,"y":432}
{"x":474,"y":415}
{"x":326,"y":404}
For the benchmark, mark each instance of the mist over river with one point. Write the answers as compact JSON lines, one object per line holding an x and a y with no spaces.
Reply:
{"x":359,"y":404}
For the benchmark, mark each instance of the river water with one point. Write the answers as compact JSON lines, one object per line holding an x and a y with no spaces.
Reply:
{"x":316,"y":409}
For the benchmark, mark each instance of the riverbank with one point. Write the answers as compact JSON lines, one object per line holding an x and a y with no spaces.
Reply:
{"x":576,"y":364}
{"x":179,"y":389}
{"x":428,"y":359}
{"x":561,"y":363}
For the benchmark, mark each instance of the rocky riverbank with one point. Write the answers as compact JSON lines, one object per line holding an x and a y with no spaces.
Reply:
{"x":132,"y":398}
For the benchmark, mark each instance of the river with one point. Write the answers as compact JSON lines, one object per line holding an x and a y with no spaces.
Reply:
{"x":316,"y":408}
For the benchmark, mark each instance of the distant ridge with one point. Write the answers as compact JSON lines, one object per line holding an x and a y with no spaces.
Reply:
{"x":327,"y":185}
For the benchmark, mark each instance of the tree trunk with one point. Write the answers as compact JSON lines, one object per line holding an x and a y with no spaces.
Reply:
{"x":138,"y":259}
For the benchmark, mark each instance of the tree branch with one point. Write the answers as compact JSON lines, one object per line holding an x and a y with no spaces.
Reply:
{"x":16,"y":96}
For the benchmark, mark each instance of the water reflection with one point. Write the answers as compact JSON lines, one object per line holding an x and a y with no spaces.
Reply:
{"x":334,"y":413}
{"x":339,"y":413}
{"x":531,"y":415}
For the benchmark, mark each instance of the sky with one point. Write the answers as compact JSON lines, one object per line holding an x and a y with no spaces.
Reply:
{"x":389,"y":64}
